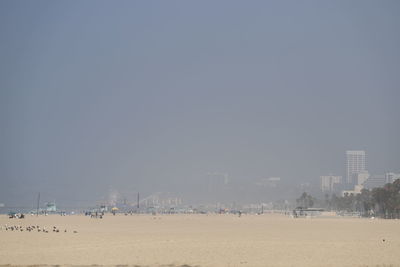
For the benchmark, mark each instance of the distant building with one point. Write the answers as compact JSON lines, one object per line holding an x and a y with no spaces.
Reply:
{"x":355,"y":163}
{"x":390,"y":177}
{"x":375,"y":181}
{"x":360,"y":177}
{"x":217,"y":181}
{"x":274,"y":179}
{"x":269,"y":182}
{"x":357,"y":190}
{"x":330,"y":183}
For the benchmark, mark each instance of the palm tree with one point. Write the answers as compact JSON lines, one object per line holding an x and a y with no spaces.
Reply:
{"x":305,"y":201}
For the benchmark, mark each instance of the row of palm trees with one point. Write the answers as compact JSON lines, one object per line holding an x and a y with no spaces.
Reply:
{"x":381,"y":202}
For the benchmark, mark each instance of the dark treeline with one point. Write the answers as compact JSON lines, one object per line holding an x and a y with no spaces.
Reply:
{"x":381,"y":202}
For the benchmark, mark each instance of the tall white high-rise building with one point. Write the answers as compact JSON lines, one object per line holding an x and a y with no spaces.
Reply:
{"x":355,"y":163}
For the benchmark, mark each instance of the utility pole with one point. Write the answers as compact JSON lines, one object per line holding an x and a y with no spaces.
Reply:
{"x":37,"y":207}
{"x":138,"y":201}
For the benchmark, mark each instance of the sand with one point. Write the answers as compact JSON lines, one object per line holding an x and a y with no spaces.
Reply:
{"x":203,"y":240}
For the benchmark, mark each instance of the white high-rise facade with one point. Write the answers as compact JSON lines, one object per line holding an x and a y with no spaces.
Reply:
{"x":329,"y":182}
{"x":355,"y":163}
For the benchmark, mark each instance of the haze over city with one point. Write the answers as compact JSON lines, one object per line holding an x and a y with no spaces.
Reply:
{"x":130,"y":96}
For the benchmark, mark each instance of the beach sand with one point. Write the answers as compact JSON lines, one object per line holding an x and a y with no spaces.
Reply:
{"x":202,"y":240}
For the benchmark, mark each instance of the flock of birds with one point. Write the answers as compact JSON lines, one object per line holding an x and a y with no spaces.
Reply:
{"x":30,"y":228}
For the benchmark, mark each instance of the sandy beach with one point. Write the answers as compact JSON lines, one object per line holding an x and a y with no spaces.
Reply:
{"x":202,"y":240}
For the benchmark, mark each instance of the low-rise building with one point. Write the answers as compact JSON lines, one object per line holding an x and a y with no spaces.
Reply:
{"x":375,"y":181}
{"x":360,"y":177}
{"x":357,"y":190}
{"x":390,"y":177}
{"x":329,"y":183}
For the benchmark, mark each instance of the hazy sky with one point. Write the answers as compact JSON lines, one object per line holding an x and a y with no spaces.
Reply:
{"x":152,"y":95}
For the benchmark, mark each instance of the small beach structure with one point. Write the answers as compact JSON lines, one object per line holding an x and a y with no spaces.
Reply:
{"x":306,"y":212}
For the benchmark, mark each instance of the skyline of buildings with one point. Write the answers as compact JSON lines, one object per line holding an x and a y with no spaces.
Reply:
{"x":357,"y":176}
{"x":224,"y":187}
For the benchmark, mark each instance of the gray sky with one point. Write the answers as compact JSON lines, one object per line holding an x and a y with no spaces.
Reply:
{"x":153,"y":95}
